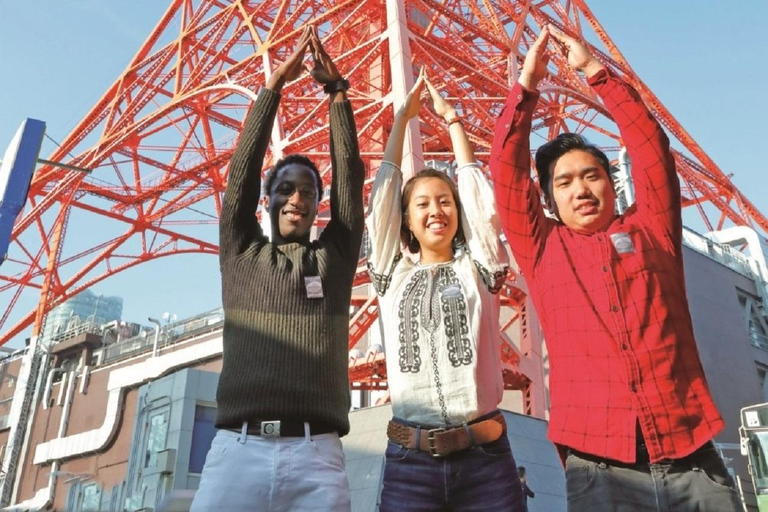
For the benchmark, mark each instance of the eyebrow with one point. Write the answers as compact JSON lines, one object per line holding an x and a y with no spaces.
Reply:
{"x":567,"y":175}
{"x":425,"y":196}
{"x":297,"y":183}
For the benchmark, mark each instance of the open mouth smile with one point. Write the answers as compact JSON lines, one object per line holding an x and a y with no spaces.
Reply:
{"x":437,"y":226}
{"x":294,"y":215}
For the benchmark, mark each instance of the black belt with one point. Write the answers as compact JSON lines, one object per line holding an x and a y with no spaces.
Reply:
{"x":283,"y":428}
{"x":641,"y":455}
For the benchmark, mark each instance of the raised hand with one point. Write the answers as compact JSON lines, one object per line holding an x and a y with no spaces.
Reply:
{"x":293,"y":66}
{"x":535,"y":63}
{"x":579,"y":57}
{"x":441,"y":107}
{"x":410,"y":109}
{"x":412,"y":104}
{"x":324,"y":70}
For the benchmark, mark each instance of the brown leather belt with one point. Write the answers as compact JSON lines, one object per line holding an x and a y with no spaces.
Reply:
{"x":440,"y":442}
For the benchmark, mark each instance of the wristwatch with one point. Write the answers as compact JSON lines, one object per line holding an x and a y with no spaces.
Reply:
{"x":337,"y":86}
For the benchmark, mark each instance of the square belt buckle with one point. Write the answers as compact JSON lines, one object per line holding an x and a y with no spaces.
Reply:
{"x":270,"y":428}
{"x":431,"y":442}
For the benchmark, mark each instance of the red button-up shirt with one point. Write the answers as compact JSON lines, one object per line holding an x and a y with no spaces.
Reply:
{"x":612,"y":304}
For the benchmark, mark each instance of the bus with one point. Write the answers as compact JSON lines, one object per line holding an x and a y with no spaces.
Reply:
{"x":753,"y":441}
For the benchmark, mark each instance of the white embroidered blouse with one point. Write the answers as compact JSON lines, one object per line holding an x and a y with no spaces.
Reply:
{"x":441,"y":321}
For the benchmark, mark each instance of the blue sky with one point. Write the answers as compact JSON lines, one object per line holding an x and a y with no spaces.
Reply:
{"x":706,"y":61}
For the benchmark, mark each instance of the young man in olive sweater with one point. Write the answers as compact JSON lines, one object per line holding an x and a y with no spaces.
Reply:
{"x":283,"y":395}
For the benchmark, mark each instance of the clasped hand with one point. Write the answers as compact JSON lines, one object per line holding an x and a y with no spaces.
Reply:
{"x":413,"y":104}
{"x":324,"y":70}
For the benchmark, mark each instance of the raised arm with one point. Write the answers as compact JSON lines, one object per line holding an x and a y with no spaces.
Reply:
{"x":345,"y":228}
{"x":657,"y":189}
{"x":480,"y":222}
{"x":384,"y":208}
{"x":517,"y":198}
{"x":238,"y":228}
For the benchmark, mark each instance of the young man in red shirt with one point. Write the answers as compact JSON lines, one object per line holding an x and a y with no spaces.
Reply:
{"x":631,"y":409}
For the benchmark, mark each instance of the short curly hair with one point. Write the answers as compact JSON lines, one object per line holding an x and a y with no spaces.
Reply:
{"x":292,"y":159}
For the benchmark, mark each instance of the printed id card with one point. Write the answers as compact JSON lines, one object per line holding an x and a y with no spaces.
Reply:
{"x":314,"y":286}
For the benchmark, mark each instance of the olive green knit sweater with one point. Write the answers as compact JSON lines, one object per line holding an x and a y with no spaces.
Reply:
{"x":285,"y":355}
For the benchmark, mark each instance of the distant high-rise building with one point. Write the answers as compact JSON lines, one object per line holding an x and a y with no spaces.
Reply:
{"x":85,"y":308}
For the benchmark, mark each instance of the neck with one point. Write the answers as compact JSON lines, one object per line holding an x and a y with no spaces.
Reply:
{"x":278,"y":239}
{"x":427,"y":256}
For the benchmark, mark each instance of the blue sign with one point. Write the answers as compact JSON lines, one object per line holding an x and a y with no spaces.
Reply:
{"x":16,"y":172}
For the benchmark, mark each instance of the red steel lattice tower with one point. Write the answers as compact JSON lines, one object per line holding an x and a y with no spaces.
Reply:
{"x":159,"y":139}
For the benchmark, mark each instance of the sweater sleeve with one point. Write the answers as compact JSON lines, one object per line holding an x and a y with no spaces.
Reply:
{"x":481,"y":226}
{"x":345,"y":229}
{"x":238,"y":227}
{"x":383,"y":222}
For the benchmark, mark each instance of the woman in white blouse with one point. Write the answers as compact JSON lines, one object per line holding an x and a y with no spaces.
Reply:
{"x":448,"y":448}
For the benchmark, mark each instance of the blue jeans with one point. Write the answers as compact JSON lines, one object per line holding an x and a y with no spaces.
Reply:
{"x":481,"y":478}
{"x":696,"y":483}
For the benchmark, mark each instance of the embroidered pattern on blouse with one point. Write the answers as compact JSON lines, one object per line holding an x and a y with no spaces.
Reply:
{"x":433,"y":297}
{"x":408,"y":315}
{"x":494,"y":281}
{"x":454,"y":308}
{"x":380,"y":282}
{"x":430,"y":318}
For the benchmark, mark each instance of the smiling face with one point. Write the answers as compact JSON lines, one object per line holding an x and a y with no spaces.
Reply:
{"x":433,"y":217}
{"x":581,"y":193}
{"x":292,"y":203}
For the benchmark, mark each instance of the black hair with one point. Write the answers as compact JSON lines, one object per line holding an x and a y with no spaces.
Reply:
{"x":292,"y":159}
{"x":564,"y":143}
{"x":406,"y":236}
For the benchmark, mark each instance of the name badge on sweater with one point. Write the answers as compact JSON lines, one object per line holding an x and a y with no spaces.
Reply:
{"x":314,"y":287}
{"x":623,"y":243}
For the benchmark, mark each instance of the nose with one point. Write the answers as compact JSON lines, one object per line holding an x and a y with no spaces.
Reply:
{"x":582,"y":190}
{"x":295,"y":198}
{"x":435,"y":209}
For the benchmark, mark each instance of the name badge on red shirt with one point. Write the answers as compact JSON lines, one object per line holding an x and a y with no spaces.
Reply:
{"x":314,"y":287}
{"x":623,"y":243}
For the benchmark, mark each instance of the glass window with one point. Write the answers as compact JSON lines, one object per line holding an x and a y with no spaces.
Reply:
{"x":158,"y":431}
{"x":755,"y":317}
{"x":202,"y":435}
{"x":91,"y":498}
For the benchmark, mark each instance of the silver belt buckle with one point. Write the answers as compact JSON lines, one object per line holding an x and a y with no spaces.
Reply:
{"x":431,"y":441}
{"x":270,"y":428}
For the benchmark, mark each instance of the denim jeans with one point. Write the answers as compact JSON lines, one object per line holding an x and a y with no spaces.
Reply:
{"x":696,"y":483}
{"x":483,"y":478}
{"x":284,"y":474}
